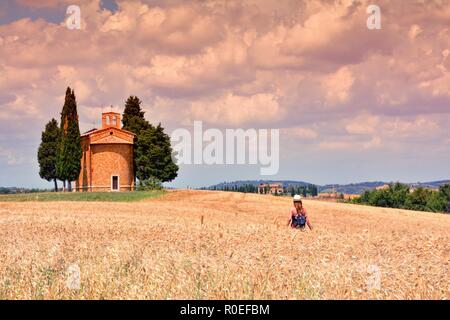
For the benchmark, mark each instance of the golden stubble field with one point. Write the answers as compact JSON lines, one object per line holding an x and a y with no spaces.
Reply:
{"x":217,"y":245}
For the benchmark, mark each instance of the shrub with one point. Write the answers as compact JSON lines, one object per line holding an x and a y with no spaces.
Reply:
{"x":398,"y":196}
{"x":437,"y":202}
{"x":417,"y":200}
{"x":445,"y":191}
{"x":149,"y":184}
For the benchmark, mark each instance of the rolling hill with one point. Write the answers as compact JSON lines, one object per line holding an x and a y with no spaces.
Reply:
{"x":352,"y":188}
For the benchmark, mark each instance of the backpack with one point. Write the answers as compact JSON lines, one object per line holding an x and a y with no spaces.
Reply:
{"x":298,"y":221}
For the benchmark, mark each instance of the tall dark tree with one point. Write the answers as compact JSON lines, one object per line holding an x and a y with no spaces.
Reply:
{"x":133,"y":117}
{"x":304,"y":192}
{"x":47,"y":152}
{"x":154,"y":155}
{"x":133,"y":120}
{"x":68,"y":164}
{"x":315,"y":191}
{"x":152,"y":149}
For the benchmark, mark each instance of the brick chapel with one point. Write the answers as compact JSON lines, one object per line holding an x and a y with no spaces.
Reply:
{"x":107,"y":161}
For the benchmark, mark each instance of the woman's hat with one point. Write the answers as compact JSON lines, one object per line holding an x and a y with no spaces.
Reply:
{"x":297,"y":198}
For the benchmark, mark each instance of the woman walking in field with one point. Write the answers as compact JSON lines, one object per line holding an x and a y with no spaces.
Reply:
{"x":298,"y":215}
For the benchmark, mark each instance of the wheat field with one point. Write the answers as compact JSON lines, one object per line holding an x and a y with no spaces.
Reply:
{"x":220,"y":245}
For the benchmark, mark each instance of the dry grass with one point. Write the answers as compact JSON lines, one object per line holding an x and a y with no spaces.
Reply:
{"x":216,"y":245}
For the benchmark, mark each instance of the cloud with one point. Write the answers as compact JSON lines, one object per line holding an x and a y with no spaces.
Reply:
{"x":11,"y":158}
{"x":337,"y":86}
{"x":299,"y":132}
{"x":366,"y":131}
{"x":39,"y":3}
{"x":363,"y":124}
{"x":351,"y":145}
{"x":236,"y":110}
{"x":420,"y":127}
{"x":310,"y":67}
{"x":336,"y":145}
{"x":414,"y":31}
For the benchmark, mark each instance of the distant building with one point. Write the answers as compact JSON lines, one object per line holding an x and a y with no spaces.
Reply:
{"x":351,"y":196}
{"x":272,"y":188}
{"x":107,"y":161}
{"x":329,"y":196}
{"x":335,"y":196}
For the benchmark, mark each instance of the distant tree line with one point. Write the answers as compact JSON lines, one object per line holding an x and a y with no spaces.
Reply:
{"x":60,"y":153}
{"x":14,"y":190}
{"x":399,"y":196}
{"x":307,"y":190}
{"x":245,"y":188}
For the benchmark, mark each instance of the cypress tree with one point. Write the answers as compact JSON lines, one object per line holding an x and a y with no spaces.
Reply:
{"x":152,"y":149}
{"x":47,"y":152}
{"x":133,"y":116}
{"x":70,"y":153}
{"x":133,"y":120}
{"x":154,"y":155}
{"x":315,"y":191}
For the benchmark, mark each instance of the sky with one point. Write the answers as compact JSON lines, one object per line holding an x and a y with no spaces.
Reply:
{"x":351,"y":103}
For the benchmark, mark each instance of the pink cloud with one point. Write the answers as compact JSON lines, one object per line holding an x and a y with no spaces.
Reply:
{"x":313,"y":69}
{"x":39,"y":3}
{"x":237,"y":110}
